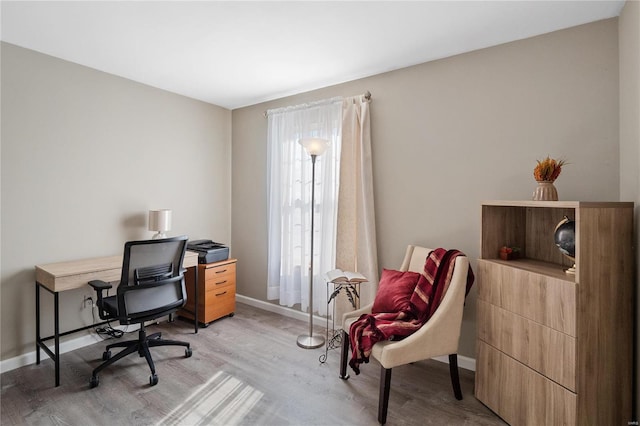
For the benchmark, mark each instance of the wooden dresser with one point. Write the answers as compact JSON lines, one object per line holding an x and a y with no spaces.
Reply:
{"x":555,"y":348}
{"x":216,"y":291}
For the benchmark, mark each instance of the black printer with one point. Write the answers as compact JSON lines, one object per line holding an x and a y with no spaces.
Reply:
{"x":208,"y":251}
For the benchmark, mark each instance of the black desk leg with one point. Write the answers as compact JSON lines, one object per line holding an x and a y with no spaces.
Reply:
{"x":37,"y":323}
{"x":57,"y":335}
{"x":55,"y":355}
{"x":195,"y":291}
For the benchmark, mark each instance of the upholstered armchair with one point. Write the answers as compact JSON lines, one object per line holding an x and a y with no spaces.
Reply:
{"x":437,"y":337}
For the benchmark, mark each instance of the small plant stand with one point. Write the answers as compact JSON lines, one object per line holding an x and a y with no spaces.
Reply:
{"x":334,"y":337}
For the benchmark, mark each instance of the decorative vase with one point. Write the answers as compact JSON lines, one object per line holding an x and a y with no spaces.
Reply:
{"x":545,"y":191}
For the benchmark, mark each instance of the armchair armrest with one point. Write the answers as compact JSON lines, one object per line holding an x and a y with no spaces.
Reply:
{"x":348,"y":317}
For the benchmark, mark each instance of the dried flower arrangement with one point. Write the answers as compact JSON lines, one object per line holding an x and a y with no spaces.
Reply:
{"x":548,"y":169}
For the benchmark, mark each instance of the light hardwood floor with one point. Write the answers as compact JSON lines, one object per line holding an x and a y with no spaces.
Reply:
{"x":245,"y":370}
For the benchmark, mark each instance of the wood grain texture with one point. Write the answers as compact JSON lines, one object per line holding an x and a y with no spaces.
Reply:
{"x":605,"y":302}
{"x":546,"y":300}
{"x":499,"y":384}
{"x":62,"y":276}
{"x":547,"y":351}
{"x":530,"y":313}
{"x":504,"y":225}
{"x":245,"y":370}
{"x":540,"y":226}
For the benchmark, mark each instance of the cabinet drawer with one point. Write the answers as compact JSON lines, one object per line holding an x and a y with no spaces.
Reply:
{"x":218,"y":274}
{"x":543,"y":299}
{"x":498,"y":381}
{"x":220,"y":302}
{"x":549,"y":352}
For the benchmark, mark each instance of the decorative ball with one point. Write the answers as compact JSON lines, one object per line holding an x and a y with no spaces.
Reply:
{"x":565,"y":237}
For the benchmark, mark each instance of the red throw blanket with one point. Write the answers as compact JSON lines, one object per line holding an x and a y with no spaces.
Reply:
{"x":372,"y":328}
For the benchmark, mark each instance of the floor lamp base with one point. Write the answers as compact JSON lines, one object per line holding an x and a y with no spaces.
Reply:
{"x":310,"y":342}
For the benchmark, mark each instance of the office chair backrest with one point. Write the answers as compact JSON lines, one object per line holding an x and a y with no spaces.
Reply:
{"x":152,"y":281}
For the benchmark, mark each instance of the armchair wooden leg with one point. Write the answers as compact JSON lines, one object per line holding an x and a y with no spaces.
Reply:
{"x":455,"y":378}
{"x":383,"y":401}
{"x":344,"y":354}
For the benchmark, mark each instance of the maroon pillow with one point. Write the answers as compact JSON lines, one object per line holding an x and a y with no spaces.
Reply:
{"x":394,"y":291}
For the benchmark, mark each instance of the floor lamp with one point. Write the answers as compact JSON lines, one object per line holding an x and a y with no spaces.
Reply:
{"x":314,"y":147}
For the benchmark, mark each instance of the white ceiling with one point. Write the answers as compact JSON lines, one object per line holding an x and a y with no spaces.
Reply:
{"x":238,"y":53}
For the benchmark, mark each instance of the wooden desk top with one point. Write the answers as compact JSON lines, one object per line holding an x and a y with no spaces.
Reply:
{"x":63,"y":276}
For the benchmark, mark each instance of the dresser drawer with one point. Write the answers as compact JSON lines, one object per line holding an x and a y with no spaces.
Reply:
{"x":549,"y":352}
{"x":499,"y":379}
{"x":546,"y":300}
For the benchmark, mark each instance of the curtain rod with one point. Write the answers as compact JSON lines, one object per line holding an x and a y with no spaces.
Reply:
{"x":366,"y":95}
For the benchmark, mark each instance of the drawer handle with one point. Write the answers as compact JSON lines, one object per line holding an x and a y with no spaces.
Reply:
{"x":220,"y":294}
{"x":221,"y":272}
{"x":221,"y":282}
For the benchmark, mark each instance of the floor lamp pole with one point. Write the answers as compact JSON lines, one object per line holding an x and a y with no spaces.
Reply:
{"x":310,"y":341}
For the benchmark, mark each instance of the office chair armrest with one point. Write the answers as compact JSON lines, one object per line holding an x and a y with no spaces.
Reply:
{"x":100,"y":285}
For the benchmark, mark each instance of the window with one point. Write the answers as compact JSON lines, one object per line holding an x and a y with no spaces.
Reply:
{"x":289,"y":202}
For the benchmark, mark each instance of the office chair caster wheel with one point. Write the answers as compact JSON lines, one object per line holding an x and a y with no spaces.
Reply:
{"x":106,"y":355}
{"x":188,"y":352}
{"x":153,"y":379}
{"x":94,"y":382}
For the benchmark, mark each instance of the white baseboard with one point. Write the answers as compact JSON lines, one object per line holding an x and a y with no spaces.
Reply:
{"x":90,"y":337}
{"x":30,"y":357}
{"x":282,"y":310}
{"x":463,"y":361}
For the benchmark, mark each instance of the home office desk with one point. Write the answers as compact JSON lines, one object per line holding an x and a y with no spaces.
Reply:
{"x":63,"y":276}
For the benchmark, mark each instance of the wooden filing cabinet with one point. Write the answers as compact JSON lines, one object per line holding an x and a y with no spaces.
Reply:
{"x":216,"y":291}
{"x":555,"y":348}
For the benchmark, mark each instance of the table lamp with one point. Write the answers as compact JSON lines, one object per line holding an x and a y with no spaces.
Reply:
{"x":160,"y":222}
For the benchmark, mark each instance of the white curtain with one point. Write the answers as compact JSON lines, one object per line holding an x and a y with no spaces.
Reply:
{"x":289,"y":202}
{"x":356,"y":248}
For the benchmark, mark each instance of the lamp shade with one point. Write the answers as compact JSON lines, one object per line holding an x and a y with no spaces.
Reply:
{"x":160,"y":221}
{"x":314,"y":146}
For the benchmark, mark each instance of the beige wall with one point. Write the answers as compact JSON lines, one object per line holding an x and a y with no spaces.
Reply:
{"x":450,"y":133}
{"x":85,"y":155}
{"x":629,"y":41}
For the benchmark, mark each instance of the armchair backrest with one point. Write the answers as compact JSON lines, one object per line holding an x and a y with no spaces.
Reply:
{"x":448,"y":316}
{"x":414,"y":259}
{"x":152,"y":281}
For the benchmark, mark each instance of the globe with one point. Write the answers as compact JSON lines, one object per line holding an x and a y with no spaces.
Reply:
{"x":565,"y":238}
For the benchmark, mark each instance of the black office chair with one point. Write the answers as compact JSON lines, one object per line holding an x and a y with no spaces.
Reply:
{"x":151,"y":286}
